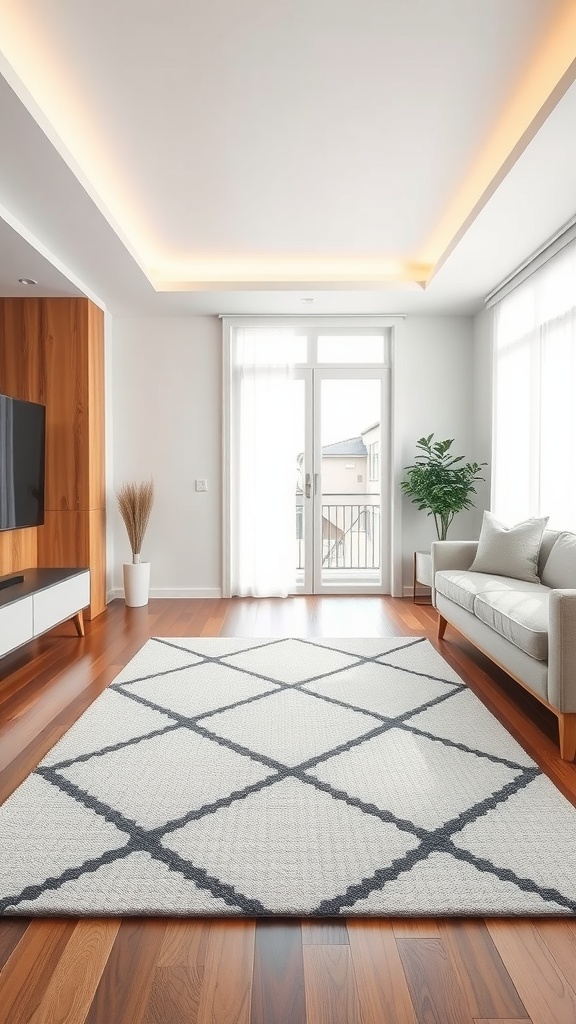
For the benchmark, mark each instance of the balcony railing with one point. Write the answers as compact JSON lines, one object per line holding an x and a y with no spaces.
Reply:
{"x":350,"y":536}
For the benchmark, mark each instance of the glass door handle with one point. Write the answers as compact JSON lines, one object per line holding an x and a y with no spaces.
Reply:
{"x":308,"y":484}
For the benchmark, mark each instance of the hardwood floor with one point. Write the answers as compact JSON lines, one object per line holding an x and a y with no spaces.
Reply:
{"x":166,"y":971}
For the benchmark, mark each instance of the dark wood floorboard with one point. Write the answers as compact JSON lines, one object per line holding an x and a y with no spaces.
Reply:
{"x":201,"y":971}
{"x":11,"y":931}
{"x":486,"y":982}
{"x":433,"y":982}
{"x":126,"y":982}
{"x":278,"y":993}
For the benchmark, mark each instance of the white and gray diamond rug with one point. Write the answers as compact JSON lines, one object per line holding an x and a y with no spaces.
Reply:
{"x":307,"y":777}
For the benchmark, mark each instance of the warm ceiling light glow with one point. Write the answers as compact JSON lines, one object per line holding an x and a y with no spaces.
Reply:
{"x":63,"y":113}
{"x":327,"y":270}
{"x":547,"y":78}
{"x":29,"y":67}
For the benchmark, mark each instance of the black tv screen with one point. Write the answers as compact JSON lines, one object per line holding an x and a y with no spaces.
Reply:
{"x":22,"y":431}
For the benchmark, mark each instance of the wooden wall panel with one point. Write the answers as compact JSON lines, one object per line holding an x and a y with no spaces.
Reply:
{"x":65,"y":351}
{"x":77,"y":538}
{"x":97,"y":562}
{"x":18,"y":550}
{"x":21,"y":366}
{"x":63,"y":540}
{"x":22,"y":376}
{"x":52,"y":351}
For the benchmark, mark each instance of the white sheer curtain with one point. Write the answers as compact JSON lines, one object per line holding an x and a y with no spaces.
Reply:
{"x":262,"y":462}
{"x":534,"y":451}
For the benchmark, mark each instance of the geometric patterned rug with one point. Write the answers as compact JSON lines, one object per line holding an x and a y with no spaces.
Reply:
{"x":220,"y":776}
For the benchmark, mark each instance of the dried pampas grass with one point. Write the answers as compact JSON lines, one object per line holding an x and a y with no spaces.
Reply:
{"x":135,"y":503}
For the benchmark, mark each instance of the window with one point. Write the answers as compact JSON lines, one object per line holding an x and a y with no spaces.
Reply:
{"x":352,"y":348}
{"x":374,"y":461}
{"x":534,"y":389}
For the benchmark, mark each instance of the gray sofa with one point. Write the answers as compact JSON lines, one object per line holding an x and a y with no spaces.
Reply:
{"x":528,"y":629}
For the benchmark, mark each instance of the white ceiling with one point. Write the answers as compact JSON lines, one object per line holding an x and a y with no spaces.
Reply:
{"x":19,"y":258}
{"x":145,"y":141}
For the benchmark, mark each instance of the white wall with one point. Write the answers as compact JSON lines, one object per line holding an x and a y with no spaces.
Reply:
{"x":166,"y":379}
{"x":167,"y":413}
{"x":433,"y":393}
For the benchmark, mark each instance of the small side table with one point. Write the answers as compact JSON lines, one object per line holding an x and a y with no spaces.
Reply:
{"x":422,"y":573}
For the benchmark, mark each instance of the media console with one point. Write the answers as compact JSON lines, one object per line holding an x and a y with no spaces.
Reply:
{"x":44,"y":598}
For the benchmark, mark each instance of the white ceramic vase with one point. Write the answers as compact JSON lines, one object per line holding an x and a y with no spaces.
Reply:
{"x":136,"y":583}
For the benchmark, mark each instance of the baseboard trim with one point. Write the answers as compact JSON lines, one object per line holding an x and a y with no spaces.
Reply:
{"x":206,"y":592}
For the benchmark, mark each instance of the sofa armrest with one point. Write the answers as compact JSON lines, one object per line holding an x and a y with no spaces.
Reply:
{"x":562,"y":650}
{"x":451,"y":554}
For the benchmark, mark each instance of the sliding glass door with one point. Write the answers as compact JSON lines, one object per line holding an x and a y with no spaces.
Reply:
{"x":340,"y":523}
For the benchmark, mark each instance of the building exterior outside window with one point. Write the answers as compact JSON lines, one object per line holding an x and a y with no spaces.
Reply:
{"x":374,"y":461}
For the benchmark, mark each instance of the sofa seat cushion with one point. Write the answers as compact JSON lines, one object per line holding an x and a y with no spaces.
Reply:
{"x":519,"y":616}
{"x":463,"y":586}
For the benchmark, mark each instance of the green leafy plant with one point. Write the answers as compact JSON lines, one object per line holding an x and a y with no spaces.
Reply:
{"x":440,"y":483}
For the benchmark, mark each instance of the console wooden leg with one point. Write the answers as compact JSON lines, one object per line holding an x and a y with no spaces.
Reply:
{"x":442,"y":623}
{"x":78,"y":620}
{"x":567,"y":730}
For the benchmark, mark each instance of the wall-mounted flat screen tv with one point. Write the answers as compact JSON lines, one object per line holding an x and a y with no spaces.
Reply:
{"x":22,"y":442}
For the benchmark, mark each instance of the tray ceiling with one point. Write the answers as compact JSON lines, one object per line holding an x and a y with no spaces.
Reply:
{"x":337,"y":145}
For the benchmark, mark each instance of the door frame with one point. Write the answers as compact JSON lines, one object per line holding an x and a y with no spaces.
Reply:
{"x":306,"y":373}
{"x":313,"y":325}
{"x":313,"y":378}
{"x":381,"y":373}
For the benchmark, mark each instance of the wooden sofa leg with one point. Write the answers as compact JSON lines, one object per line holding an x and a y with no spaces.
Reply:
{"x":567,"y":730}
{"x":78,"y":620}
{"x":442,"y":623}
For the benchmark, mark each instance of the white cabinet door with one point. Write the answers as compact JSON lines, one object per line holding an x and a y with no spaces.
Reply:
{"x":15,"y":624}
{"x":60,"y":602}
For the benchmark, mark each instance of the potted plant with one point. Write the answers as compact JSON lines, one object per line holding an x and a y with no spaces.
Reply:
{"x":135,"y":503}
{"x":439,"y":482}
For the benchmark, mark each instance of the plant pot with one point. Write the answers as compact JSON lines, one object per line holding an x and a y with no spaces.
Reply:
{"x":136,"y":583}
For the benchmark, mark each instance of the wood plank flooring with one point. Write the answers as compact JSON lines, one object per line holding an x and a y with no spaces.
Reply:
{"x":274,"y":971}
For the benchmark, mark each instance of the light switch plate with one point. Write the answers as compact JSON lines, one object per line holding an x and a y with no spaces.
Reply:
{"x":201,"y":485}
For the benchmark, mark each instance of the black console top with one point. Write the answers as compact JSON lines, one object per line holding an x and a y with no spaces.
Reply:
{"x":34,"y":580}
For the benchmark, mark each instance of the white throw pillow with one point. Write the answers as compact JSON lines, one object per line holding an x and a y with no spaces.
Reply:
{"x":510,"y":551}
{"x":560,"y":570}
